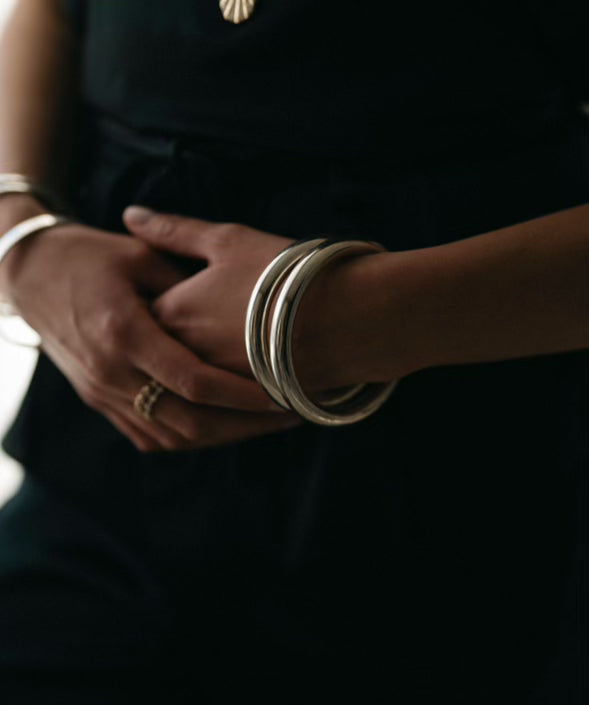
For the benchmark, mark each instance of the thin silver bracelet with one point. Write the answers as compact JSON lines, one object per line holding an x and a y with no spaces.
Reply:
{"x":19,"y":232}
{"x":27,"y":227}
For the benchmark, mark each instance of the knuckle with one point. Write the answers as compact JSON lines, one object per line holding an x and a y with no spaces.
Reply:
{"x":195,"y":388}
{"x":225,"y":235}
{"x":101,"y":369}
{"x":164,"y":226}
{"x":111,"y":328}
{"x":140,"y":255}
{"x":168,"y":311}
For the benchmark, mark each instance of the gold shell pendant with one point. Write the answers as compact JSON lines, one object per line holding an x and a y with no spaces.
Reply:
{"x":237,"y":11}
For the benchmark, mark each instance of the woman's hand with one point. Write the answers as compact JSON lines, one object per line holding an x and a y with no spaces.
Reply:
{"x":207,"y":311}
{"x":515,"y":292}
{"x":87,"y":293}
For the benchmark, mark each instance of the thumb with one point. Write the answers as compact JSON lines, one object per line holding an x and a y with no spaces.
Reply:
{"x":165,"y":231}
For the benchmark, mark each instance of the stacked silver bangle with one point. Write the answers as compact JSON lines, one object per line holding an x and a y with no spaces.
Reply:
{"x":20,"y":333}
{"x":18,"y":183}
{"x":271,"y":314}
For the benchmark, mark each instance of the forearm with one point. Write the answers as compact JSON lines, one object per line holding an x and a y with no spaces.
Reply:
{"x":36,"y":91}
{"x":36,"y":88}
{"x":519,"y":291}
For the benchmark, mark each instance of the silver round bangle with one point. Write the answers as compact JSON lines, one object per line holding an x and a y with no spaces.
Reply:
{"x":257,"y":328}
{"x":7,"y":241}
{"x":28,"y":227}
{"x":258,"y":311}
{"x":366,"y":399}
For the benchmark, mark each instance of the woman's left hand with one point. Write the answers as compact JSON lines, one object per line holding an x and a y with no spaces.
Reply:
{"x":207,"y":310}
{"x":510,"y":293}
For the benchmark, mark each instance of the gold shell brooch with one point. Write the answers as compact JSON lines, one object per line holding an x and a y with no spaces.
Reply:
{"x":237,"y":11}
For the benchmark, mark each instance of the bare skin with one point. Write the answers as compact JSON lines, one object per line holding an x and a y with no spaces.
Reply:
{"x":86,"y":291}
{"x":96,"y":326}
{"x":519,"y":291}
{"x":515,"y":292}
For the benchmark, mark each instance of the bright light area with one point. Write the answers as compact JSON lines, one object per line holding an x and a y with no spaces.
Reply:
{"x":16,"y":365}
{"x":5,"y":6}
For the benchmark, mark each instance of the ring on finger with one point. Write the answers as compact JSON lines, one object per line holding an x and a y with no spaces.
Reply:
{"x":147,"y":397}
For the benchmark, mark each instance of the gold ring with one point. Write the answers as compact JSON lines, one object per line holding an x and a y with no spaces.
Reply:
{"x":147,"y":397}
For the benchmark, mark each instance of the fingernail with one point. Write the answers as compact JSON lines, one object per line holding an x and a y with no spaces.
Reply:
{"x":137,"y":215}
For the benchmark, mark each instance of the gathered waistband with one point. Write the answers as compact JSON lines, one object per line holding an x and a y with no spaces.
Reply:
{"x":299,"y":195}
{"x":157,"y":145}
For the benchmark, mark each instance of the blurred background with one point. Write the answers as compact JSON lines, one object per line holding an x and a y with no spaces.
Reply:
{"x":16,"y":366}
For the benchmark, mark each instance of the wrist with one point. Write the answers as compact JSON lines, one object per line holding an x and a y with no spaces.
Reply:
{"x":361,"y":321}
{"x":338,"y":329}
{"x":14,"y":209}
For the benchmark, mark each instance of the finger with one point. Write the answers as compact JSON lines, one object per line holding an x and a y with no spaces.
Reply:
{"x":226,"y":389}
{"x":177,"y":425}
{"x":177,"y":414}
{"x":214,"y":427}
{"x":164,"y":435}
{"x":189,"y":237}
{"x":140,"y":440}
{"x":172,"y":422}
{"x":184,"y":373}
{"x":185,"y":417}
{"x":167,"y":429}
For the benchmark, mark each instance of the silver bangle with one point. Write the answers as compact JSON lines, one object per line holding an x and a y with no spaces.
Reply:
{"x":28,"y":227}
{"x":257,"y":342}
{"x":269,"y":348}
{"x":370,"y":397}
{"x":258,"y":311}
{"x":27,"y":337}
{"x":19,"y":184}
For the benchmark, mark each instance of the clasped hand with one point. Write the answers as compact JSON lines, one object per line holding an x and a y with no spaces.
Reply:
{"x":113,"y":312}
{"x":206,"y":312}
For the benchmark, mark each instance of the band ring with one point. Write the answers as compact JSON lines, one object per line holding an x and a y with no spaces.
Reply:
{"x":147,"y":397}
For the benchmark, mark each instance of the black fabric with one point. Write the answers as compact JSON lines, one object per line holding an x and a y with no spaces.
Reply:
{"x":437,"y":549}
{"x":341,"y":77}
{"x":75,"y":14}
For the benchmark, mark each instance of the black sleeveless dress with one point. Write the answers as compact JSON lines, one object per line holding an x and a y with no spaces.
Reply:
{"x":436,"y":550}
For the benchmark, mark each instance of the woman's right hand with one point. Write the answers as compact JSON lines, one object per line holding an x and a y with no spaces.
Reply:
{"x":87,"y":293}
